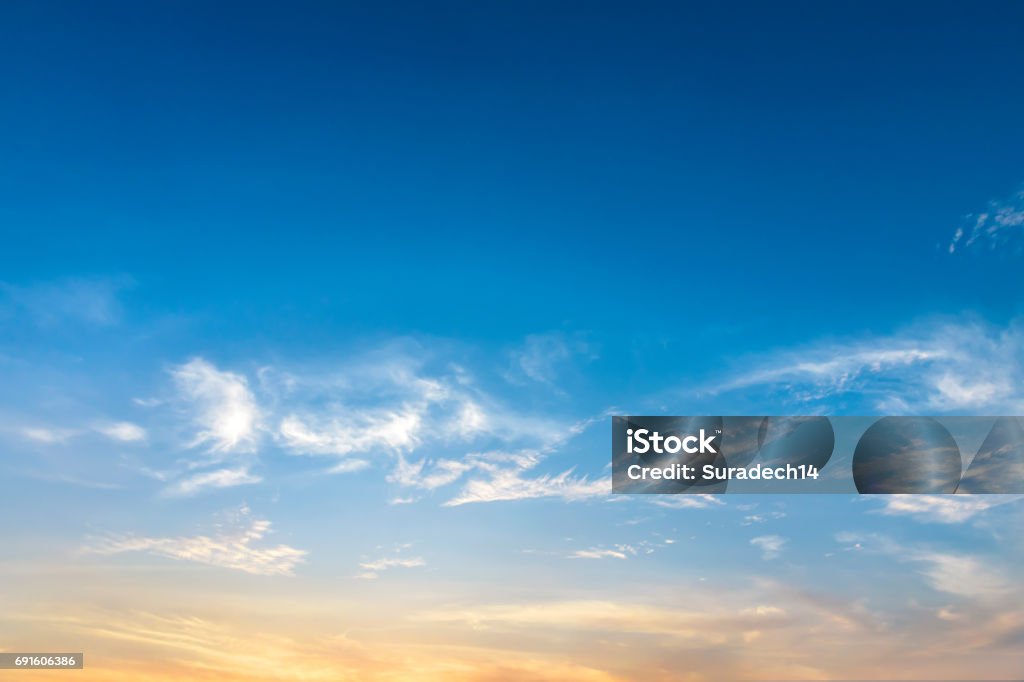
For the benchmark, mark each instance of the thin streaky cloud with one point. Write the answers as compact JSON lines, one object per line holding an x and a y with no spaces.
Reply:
{"x":619,"y":552}
{"x":1000,"y":225}
{"x":348,"y":466}
{"x":125,"y":432}
{"x":48,"y":435}
{"x":238,"y":547}
{"x":933,"y":367}
{"x":218,"y":478}
{"x":946,"y":509}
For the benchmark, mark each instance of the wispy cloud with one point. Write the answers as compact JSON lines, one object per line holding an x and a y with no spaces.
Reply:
{"x":619,"y":552}
{"x":425,"y":424}
{"x":505,"y":476}
{"x":348,"y":466}
{"x":944,"y":508}
{"x":125,"y":432}
{"x":959,"y":574}
{"x":764,"y":517}
{"x":218,"y":478}
{"x":393,"y":562}
{"x":543,"y":357}
{"x":390,"y":404}
{"x":88,"y":301}
{"x":236,"y":546}
{"x":48,"y":435}
{"x":936,"y":367}
{"x":1000,"y":224}
{"x":770,"y":545}
{"x":372,"y":568}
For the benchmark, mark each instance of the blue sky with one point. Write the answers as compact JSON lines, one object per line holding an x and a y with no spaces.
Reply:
{"x":326,"y":308}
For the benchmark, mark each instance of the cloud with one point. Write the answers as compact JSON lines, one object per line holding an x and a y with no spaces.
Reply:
{"x":504,"y":478}
{"x":1001,"y":224}
{"x":373,"y":568}
{"x":620,"y":552}
{"x":87,"y":301}
{"x":934,"y":367}
{"x":395,"y":430}
{"x":428,"y":425}
{"x":688,"y":501}
{"x":125,"y":432}
{"x":429,"y":474}
{"x":348,"y":466}
{"x":500,"y":475}
{"x":958,"y":574}
{"x":393,"y":562}
{"x":961,"y":575}
{"x":390,"y":405}
{"x":751,"y":519}
{"x":943,"y":508}
{"x":542,"y":357}
{"x":222,"y":407}
{"x":219,"y":478}
{"x":235,"y":547}
{"x":770,"y":546}
{"x":47,"y":435}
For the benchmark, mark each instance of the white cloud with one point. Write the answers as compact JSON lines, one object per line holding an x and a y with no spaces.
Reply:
{"x":944,"y":508}
{"x":1000,"y":225}
{"x":770,"y":545}
{"x":373,"y":568}
{"x":432,"y":429}
{"x":439,"y":473}
{"x":687,"y":501}
{"x":596,"y":553}
{"x":221,"y":405}
{"x":936,"y":367}
{"x":387,"y":405}
{"x":751,"y":519}
{"x":348,"y":466}
{"x":504,"y":478}
{"x":236,"y":547}
{"x":219,"y":478}
{"x":470,"y":420}
{"x":397,"y":430}
{"x":126,"y":432}
{"x":961,"y":575}
{"x":47,"y":435}
{"x":393,"y":562}
{"x":958,"y":574}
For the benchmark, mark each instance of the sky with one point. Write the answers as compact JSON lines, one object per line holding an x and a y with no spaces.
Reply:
{"x":313,"y":318}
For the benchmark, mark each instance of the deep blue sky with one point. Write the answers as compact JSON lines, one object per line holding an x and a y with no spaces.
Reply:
{"x":485,"y":171}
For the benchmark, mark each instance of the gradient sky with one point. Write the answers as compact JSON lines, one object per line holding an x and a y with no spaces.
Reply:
{"x":312,"y":318}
